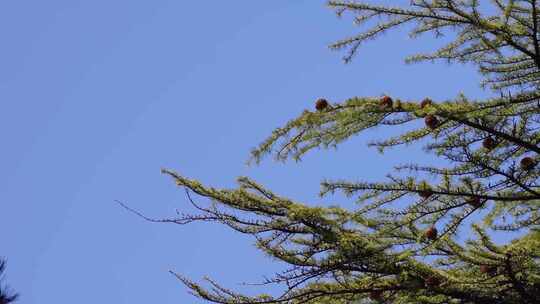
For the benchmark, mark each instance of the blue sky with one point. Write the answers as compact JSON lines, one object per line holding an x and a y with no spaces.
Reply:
{"x":98,"y":96}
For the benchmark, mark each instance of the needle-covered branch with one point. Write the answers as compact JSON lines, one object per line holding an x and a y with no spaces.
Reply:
{"x":339,"y":256}
{"x":490,"y":35}
{"x":390,"y":248}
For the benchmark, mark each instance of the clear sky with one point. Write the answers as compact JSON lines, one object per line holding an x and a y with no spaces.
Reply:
{"x":97,"y":96}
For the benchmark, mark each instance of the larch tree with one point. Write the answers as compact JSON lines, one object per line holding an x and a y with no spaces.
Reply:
{"x":400,"y":244}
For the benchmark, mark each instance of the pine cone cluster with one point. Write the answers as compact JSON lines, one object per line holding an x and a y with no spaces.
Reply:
{"x":527,"y":163}
{"x":425,"y":194}
{"x":431,"y":233}
{"x":431,"y":121}
{"x":386,"y":102}
{"x":489,"y":143}
{"x":321,"y":104}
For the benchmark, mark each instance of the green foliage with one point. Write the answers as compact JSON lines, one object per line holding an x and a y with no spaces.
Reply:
{"x":379,"y":253}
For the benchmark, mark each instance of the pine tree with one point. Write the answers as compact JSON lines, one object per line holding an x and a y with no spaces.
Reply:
{"x":6,"y":296}
{"x":400,"y":245}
